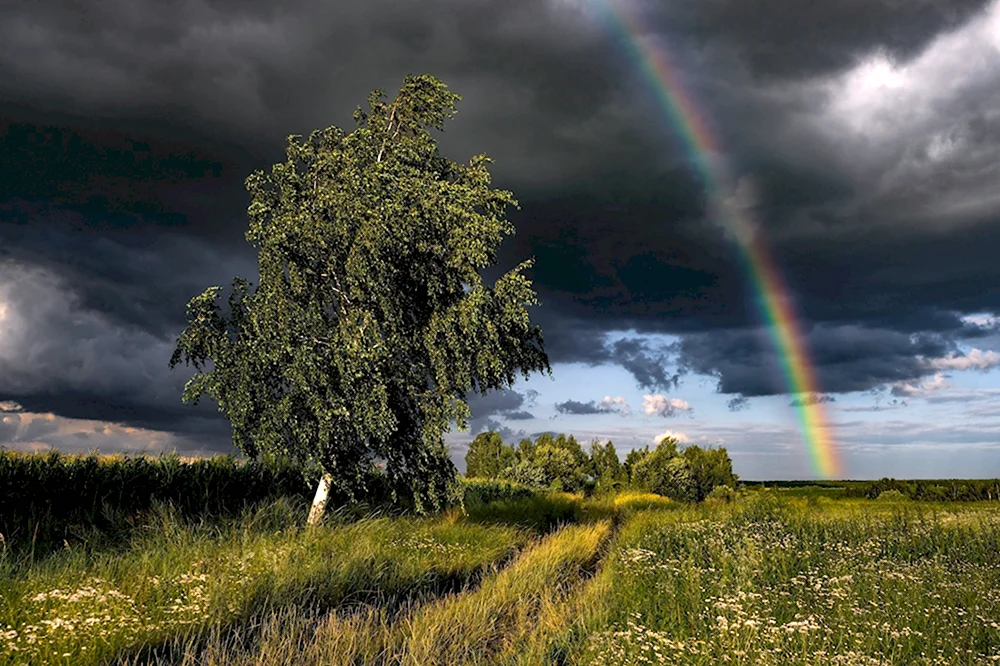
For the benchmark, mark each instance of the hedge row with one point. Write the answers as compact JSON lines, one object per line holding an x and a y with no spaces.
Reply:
{"x":48,"y":498}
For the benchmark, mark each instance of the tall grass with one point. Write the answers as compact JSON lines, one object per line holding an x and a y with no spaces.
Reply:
{"x":530,"y":613}
{"x":83,"y":608}
{"x":51,"y":499}
{"x":771,"y":581}
{"x":488,"y":624}
{"x":483,"y":626}
{"x":766,"y":578}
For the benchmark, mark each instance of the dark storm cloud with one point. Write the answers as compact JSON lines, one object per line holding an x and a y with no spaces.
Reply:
{"x":488,"y":410}
{"x":255,"y":72}
{"x":785,"y":38}
{"x":882,"y":230}
{"x":647,"y":364}
{"x":811,"y":399}
{"x":738,"y":404}
{"x":573,"y":340}
{"x":57,"y":355}
{"x":576,"y":407}
{"x":608,"y":405}
{"x":134,"y":276}
{"x":844,"y":358}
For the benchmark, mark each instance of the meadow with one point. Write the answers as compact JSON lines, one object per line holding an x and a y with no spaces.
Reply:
{"x":513,"y":576}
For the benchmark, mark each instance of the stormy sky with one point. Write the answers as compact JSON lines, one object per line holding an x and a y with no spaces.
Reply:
{"x":864,"y":135}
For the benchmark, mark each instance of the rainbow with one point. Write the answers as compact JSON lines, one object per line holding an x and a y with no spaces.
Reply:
{"x":774,"y":300}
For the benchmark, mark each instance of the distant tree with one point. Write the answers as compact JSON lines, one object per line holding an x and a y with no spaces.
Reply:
{"x":371,"y":322}
{"x":689,"y":475}
{"x":525,"y":472}
{"x":571,"y":446}
{"x":651,"y":471}
{"x":545,"y":439}
{"x":605,"y":467}
{"x":558,"y":467}
{"x":558,"y":461}
{"x":524,"y":449}
{"x":488,"y":456}
{"x":631,"y":460}
{"x":709,"y":468}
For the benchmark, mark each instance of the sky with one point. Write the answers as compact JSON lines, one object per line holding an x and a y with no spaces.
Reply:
{"x":864,"y":135}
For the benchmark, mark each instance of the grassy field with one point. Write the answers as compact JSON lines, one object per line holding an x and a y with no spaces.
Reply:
{"x":775,"y":577}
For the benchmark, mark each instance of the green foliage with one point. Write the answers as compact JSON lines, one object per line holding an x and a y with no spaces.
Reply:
{"x":710,"y":468}
{"x":649,"y":470}
{"x":46,"y":500}
{"x":931,"y":490}
{"x":186,"y":578}
{"x":526,"y":473}
{"x":560,"y":470}
{"x":724,"y":494}
{"x":890,"y":496}
{"x":631,"y":460}
{"x":484,"y":491}
{"x":607,"y":470}
{"x":371,"y":322}
{"x":554,"y":462}
{"x":488,"y":456}
{"x":687,"y":476}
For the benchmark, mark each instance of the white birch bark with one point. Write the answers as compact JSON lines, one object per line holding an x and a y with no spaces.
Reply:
{"x":320,"y":500}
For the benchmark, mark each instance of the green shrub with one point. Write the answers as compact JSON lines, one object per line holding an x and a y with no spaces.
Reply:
{"x":890,"y":496}
{"x":722,"y":494}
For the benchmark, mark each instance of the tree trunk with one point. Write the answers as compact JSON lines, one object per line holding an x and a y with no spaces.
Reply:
{"x":320,"y":500}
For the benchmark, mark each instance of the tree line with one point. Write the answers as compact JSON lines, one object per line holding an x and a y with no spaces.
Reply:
{"x":930,"y":490}
{"x":559,"y":462}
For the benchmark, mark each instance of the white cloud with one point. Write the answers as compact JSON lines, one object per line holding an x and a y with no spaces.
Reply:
{"x":10,"y":406}
{"x":879,"y":97}
{"x":982,"y":320}
{"x":918,"y":134}
{"x":935,"y":383}
{"x":661,"y":405}
{"x":975,"y":359}
{"x":28,"y":431}
{"x":617,"y":404}
{"x":678,"y":436}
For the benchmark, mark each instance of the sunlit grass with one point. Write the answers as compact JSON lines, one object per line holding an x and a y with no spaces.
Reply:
{"x":769,"y":581}
{"x":492,"y":623}
{"x":767,"y":577}
{"x":82,"y":608}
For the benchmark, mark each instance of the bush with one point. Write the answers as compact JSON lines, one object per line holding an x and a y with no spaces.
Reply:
{"x":891,"y":496}
{"x":686,"y":476}
{"x":722,"y":494}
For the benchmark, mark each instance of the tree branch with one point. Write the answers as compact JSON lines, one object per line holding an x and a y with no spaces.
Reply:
{"x":392,"y":115}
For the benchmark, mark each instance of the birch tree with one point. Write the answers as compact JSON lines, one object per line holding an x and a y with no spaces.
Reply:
{"x":371,"y":322}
